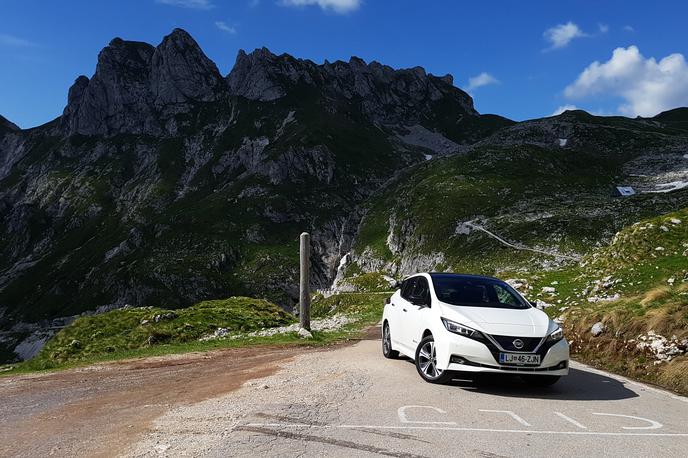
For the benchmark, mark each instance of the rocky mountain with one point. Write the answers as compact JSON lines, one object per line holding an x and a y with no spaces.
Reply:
{"x":165,"y":183}
{"x":6,"y":126}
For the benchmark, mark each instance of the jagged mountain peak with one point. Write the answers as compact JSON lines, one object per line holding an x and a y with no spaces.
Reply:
{"x":7,"y":125}
{"x":136,"y":86}
{"x":182,"y":72}
{"x":264,"y":58}
{"x":121,"y":54}
{"x":386,"y":94}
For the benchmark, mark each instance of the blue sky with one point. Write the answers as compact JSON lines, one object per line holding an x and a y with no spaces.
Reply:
{"x":525,"y":59}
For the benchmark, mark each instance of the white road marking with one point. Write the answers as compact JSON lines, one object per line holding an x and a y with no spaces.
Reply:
{"x":456,"y":428}
{"x":570,"y":420}
{"x":653,"y":424}
{"x":401,"y":412}
{"x":511,"y":414}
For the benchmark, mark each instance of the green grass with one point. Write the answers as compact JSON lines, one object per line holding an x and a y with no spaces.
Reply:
{"x":134,"y":329}
{"x":366,"y":306}
{"x":548,"y":198}
{"x":364,"y":282}
{"x":652,"y":289}
{"x":123,"y":334}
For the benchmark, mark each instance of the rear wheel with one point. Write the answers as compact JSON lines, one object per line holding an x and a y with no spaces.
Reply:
{"x":540,"y":380}
{"x":387,"y":343}
{"x":426,"y":362}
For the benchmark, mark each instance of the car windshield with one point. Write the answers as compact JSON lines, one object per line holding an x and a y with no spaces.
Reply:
{"x":476,"y":292}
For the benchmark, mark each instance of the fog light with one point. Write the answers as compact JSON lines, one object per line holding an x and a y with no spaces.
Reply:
{"x":457,"y":360}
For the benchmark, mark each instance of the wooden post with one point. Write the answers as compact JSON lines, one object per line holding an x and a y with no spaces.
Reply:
{"x":304,"y":292}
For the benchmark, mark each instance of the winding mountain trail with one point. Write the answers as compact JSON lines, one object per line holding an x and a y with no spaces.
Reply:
{"x":478,"y":227}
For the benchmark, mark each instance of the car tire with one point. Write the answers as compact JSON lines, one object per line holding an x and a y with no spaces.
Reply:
{"x":387,"y":351}
{"x":426,"y":362}
{"x":540,"y":380}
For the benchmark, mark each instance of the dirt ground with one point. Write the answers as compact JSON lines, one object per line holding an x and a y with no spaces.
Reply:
{"x":102,"y":409}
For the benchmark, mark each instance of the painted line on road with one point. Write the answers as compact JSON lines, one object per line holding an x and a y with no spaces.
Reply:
{"x":401,"y":413}
{"x":653,"y":424}
{"x":570,"y":420}
{"x":509,"y":413}
{"x":456,"y":428}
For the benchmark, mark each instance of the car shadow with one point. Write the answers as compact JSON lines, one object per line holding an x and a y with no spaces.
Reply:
{"x":579,"y":385}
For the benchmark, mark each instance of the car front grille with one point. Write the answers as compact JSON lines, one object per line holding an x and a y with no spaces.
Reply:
{"x":507,"y":343}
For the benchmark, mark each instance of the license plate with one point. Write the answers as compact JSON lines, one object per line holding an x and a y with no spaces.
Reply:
{"x":519,"y":358}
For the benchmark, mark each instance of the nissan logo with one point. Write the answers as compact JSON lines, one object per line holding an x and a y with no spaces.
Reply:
{"x":518,"y":344}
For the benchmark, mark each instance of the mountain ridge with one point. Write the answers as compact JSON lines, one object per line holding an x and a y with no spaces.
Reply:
{"x":165,"y":183}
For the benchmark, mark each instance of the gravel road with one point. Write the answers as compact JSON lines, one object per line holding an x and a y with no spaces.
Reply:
{"x":344,"y":401}
{"x":102,"y":409}
{"x":352,"y":402}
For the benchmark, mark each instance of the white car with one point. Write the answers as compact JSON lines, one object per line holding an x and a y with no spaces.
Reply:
{"x":468,"y":323}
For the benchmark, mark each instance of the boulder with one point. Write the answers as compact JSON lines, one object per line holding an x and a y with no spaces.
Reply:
{"x":597,"y":329}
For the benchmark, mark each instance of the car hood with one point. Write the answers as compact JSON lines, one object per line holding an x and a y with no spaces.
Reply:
{"x":529,"y":322}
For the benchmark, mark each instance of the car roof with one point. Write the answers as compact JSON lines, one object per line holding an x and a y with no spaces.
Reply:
{"x":454,"y":275}
{"x":466,"y":276}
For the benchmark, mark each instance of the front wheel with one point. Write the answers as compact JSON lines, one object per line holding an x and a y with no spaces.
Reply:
{"x":426,"y":362}
{"x":387,"y":351}
{"x":540,"y":380}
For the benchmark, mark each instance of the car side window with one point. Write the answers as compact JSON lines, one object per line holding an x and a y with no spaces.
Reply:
{"x":504,"y":296}
{"x":421,"y":291}
{"x":407,"y":288}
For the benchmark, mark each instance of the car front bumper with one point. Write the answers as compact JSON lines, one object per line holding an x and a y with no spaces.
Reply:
{"x":458,"y":353}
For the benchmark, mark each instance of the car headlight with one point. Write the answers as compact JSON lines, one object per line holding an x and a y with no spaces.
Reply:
{"x":556,"y":336}
{"x":461,"y":330}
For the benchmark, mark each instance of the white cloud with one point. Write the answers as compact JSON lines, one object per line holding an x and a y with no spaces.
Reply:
{"x":193,"y":4}
{"x":222,"y":25}
{"x":561,"y":35}
{"x":603,"y":28}
{"x":564,"y":108}
{"x":15,"y":42}
{"x":338,"y":6}
{"x":629,"y":28}
{"x":647,"y":86}
{"x":483,"y":79}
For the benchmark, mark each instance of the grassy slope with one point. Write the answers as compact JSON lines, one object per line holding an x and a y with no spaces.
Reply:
{"x":538,"y":197}
{"x":653,"y":296}
{"x":133,"y":332}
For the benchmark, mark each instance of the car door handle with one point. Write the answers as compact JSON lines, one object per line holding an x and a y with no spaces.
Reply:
{"x":404,"y":310}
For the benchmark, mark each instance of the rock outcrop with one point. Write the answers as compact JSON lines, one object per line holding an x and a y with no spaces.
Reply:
{"x":136,"y":87}
{"x":7,"y":126}
{"x":387,"y":95}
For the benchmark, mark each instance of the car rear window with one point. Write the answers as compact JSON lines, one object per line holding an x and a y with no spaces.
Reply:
{"x":477,"y":292}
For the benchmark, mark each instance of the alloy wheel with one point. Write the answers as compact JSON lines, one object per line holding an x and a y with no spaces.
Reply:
{"x":427,"y":360}
{"x":386,"y":340}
